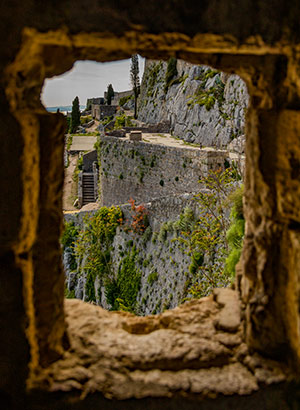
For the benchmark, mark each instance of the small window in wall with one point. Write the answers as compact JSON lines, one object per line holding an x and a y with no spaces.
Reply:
{"x":154,"y":165}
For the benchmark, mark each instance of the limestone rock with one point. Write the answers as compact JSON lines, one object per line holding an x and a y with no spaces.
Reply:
{"x":229,"y":318}
{"x":238,"y":145}
{"x":214,"y":125}
{"x":178,"y":352}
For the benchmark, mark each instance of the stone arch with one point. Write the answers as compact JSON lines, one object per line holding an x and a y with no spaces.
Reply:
{"x":268,"y":276}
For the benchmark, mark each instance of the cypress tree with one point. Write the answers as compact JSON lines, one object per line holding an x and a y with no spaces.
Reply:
{"x":135,"y":80}
{"x":75,"y":115}
{"x":110,"y":94}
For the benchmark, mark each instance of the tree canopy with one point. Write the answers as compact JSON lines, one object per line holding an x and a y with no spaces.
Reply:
{"x":75,"y":115}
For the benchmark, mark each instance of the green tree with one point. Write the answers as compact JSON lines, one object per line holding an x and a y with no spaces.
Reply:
{"x":206,"y":241}
{"x":75,"y":115}
{"x":135,"y":80}
{"x":110,"y":94}
{"x":236,"y":231}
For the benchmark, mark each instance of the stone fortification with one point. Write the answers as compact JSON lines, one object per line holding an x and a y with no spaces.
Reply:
{"x":101,"y":111}
{"x":145,"y":171}
{"x":203,"y":105}
{"x":118,"y":95}
{"x":159,"y":210}
{"x":170,"y":361}
{"x":162,"y":262}
{"x":96,"y":100}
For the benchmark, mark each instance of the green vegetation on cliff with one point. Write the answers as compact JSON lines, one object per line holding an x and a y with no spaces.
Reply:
{"x":124,"y":100}
{"x":208,"y":96}
{"x":94,"y":245}
{"x":171,"y":72}
{"x":128,"y":267}
{"x":236,"y":231}
{"x":68,"y":239}
{"x":213,"y":243}
{"x":121,"y":292}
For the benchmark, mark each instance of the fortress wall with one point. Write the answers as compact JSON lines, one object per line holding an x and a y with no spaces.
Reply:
{"x":144,"y":171}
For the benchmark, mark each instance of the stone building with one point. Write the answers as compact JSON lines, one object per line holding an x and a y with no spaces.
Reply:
{"x":118,"y":95}
{"x":99,"y":108}
{"x":95,"y":100}
{"x":238,"y":349}
{"x":100,"y":111}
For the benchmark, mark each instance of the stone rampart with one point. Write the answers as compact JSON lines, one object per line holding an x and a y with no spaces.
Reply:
{"x":161,"y":127}
{"x":145,"y":171}
{"x":159,"y":210}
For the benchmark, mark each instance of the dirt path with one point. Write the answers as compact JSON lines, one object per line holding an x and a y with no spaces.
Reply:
{"x":70,"y":187}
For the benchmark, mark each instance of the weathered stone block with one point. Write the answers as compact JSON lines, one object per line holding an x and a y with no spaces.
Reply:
{"x":135,"y":136}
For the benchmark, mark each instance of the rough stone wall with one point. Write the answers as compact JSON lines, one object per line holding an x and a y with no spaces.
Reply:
{"x":101,"y":111}
{"x":43,"y":39}
{"x":158,"y":252}
{"x":145,"y":171}
{"x":209,"y":125}
{"x":95,"y":100}
{"x":160,"y":210}
{"x":88,"y":160}
{"x":118,"y":95}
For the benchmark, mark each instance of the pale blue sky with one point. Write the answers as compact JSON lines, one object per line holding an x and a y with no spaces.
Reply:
{"x":87,"y":79}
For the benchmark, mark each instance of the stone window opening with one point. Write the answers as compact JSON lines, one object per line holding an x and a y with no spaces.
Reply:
{"x":225,"y":346}
{"x":193,"y":164}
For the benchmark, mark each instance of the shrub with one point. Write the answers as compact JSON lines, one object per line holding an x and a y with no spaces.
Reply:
{"x":208,"y":97}
{"x":147,"y":234}
{"x":140,"y":220}
{"x":69,"y":235}
{"x":154,"y":237}
{"x":69,"y":294}
{"x":121,"y":293}
{"x":171,"y":72}
{"x":207,"y":235}
{"x":94,"y":244}
{"x":152,"y":277}
{"x":85,"y":119}
{"x":146,"y":263}
{"x":123,"y":100}
{"x":90,"y":294}
{"x":186,"y":221}
{"x":197,"y":261}
{"x":163,"y":232}
{"x":122,"y":121}
{"x":235,"y":233}
{"x":106,"y":120}
{"x":78,"y":168}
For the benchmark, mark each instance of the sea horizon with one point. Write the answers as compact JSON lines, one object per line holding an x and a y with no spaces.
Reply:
{"x":64,"y":108}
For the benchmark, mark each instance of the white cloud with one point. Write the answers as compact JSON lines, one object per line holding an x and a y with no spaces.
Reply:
{"x":87,"y":79}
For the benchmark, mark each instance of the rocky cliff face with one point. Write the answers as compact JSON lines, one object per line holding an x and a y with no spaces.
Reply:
{"x":148,"y":258}
{"x":153,"y":262}
{"x":203,"y":105}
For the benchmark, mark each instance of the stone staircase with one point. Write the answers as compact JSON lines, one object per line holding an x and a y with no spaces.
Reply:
{"x":88,"y":190}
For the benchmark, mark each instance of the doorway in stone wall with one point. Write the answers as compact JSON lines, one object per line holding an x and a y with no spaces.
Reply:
{"x":164,"y":223}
